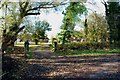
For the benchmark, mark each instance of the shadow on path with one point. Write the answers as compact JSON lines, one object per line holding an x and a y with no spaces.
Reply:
{"x":46,"y":65}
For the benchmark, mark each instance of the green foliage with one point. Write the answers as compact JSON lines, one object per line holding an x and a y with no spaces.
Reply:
{"x":34,"y":31}
{"x":24,"y":36}
{"x":96,"y":30}
{"x":71,"y":16}
{"x":97,"y":52}
{"x":113,"y":19}
{"x":28,"y":30}
{"x":82,"y":46}
{"x":78,"y":34}
{"x":39,"y":32}
{"x":64,"y":36}
{"x":9,"y":17}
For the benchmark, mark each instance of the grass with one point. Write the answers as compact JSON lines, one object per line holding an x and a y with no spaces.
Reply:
{"x":32,"y":47}
{"x":31,"y":43}
{"x":72,"y":52}
{"x":89,"y":52}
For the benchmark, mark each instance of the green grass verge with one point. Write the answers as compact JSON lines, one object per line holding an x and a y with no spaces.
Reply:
{"x":88,"y":52}
{"x":31,"y":43}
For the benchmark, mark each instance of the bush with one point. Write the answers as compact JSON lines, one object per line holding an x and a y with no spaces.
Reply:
{"x":81,"y":46}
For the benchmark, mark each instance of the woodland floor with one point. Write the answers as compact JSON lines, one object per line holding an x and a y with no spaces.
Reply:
{"x":46,"y":65}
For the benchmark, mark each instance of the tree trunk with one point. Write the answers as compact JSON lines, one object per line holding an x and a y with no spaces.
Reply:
{"x":4,"y":47}
{"x":63,"y":41}
{"x":36,"y":42}
{"x":8,"y":42}
{"x":8,"y":38}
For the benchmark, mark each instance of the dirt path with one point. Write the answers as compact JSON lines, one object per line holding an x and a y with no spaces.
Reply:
{"x":45,"y":64}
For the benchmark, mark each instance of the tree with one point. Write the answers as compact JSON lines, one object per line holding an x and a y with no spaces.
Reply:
{"x":64,"y":36}
{"x":16,"y":13}
{"x":78,"y":34}
{"x":39,"y":32}
{"x":71,"y":17}
{"x":27,"y":32}
{"x":112,"y":10}
{"x":96,"y":28}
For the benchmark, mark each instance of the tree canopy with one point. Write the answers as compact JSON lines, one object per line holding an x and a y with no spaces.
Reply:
{"x":71,"y":16}
{"x":39,"y":30}
{"x":96,"y":30}
{"x":112,"y":10}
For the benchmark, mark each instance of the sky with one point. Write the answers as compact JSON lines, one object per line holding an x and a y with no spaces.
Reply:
{"x":55,"y":19}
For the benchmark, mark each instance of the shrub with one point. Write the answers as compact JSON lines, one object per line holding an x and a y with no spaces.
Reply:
{"x":81,"y":46}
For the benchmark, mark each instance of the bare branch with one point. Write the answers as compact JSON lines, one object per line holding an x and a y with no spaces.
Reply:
{"x":45,"y":5}
{"x":103,"y":2}
{"x":35,"y":8}
{"x":106,"y":7}
{"x":20,"y":29}
{"x":26,"y":5}
{"x":32,"y":14}
{"x":20,"y":4}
